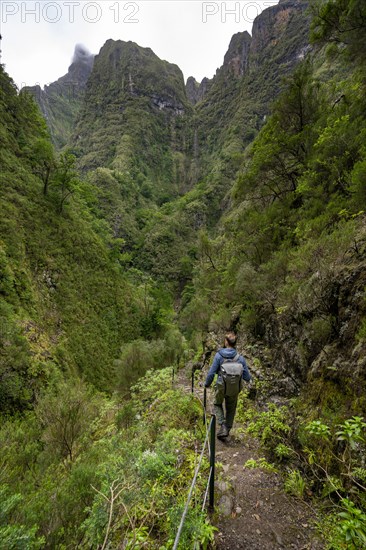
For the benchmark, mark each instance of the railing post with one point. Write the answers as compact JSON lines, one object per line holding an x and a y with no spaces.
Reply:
{"x":212,"y":461}
{"x":192,"y":381}
{"x":204,"y":404}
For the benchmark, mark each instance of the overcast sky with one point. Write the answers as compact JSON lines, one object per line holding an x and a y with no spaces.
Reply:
{"x":39,"y":36}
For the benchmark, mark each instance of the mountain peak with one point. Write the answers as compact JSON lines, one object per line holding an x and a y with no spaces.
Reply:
{"x":80,"y":68}
{"x":237,"y":57}
{"x":138,"y":71}
{"x":82,"y":55}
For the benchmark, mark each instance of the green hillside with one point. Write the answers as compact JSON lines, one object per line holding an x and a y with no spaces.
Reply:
{"x":68,"y":304}
{"x":134,"y":119}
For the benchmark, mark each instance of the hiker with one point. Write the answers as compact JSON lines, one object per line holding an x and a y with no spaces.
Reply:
{"x":231,"y":369}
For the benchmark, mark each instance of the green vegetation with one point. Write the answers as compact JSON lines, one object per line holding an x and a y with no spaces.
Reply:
{"x":67,"y":302}
{"x":60,"y":102}
{"x":90,"y":471}
{"x":261,"y":463}
{"x":295,"y":484}
{"x":286,"y":255}
{"x":283,"y":264}
{"x":134,"y":120}
{"x":320,"y":461}
{"x":341,"y":26}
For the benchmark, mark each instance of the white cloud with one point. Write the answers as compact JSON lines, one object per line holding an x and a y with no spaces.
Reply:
{"x":35,"y":49}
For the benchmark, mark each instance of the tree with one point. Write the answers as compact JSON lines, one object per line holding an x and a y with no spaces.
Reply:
{"x":65,"y":416}
{"x":67,"y":178}
{"x":43,"y":161}
{"x":14,"y":535}
{"x":343,"y":23}
{"x":280,"y":153}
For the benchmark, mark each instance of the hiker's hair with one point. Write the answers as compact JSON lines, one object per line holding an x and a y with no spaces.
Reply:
{"x":231,"y":338}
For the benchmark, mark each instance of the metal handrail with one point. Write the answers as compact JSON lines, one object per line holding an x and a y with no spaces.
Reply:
{"x":210,"y":487}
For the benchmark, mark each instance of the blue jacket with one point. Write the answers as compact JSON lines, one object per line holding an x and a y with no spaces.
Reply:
{"x":225,"y":353}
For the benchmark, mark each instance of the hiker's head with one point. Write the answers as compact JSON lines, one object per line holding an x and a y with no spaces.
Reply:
{"x":230,"y":339}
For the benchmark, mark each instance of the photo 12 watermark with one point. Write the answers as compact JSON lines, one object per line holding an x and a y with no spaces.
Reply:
{"x":238,"y":12}
{"x":27,"y":11}
{"x":70,"y":11}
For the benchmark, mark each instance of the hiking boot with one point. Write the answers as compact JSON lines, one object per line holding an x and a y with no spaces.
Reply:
{"x":223,"y":432}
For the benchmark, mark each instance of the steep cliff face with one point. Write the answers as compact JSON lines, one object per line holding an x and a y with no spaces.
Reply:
{"x":239,"y":97}
{"x":192,"y":87}
{"x":279,"y":40}
{"x":279,"y":34}
{"x":63,"y":302}
{"x":285,"y":20}
{"x":140,"y":121}
{"x":126,"y":75}
{"x":134,"y":71}
{"x":314,"y":344}
{"x":236,"y":59}
{"x":60,"y":101}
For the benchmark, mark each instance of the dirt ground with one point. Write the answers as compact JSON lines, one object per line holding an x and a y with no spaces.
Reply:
{"x":254,"y":511}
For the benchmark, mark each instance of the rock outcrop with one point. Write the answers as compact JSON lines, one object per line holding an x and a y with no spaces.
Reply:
{"x":236,"y":59}
{"x":196,"y":91}
{"x":284,"y":22}
{"x":192,"y":87}
{"x":132,"y":71}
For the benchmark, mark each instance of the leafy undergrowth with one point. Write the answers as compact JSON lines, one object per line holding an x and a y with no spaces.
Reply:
{"x":85,"y":471}
{"x":322,"y":459}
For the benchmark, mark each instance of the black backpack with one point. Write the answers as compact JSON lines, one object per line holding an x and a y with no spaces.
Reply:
{"x":232,"y":375}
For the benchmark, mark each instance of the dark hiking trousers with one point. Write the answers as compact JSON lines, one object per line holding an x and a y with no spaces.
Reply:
{"x":230,"y":406}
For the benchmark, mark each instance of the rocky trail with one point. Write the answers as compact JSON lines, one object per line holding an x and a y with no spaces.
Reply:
{"x":252,"y":510}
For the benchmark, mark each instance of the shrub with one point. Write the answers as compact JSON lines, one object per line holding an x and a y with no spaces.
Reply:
{"x":295,"y":484}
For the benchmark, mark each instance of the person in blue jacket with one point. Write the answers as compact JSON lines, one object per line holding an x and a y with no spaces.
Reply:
{"x":228,"y":352}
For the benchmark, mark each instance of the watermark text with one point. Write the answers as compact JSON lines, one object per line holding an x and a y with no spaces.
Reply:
{"x":53,"y":12}
{"x":234,"y":11}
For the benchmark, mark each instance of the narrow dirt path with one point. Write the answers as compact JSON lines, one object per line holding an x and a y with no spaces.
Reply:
{"x":253,"y":511}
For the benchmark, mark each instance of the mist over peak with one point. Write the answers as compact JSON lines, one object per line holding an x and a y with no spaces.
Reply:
{"x":82,"y":54}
